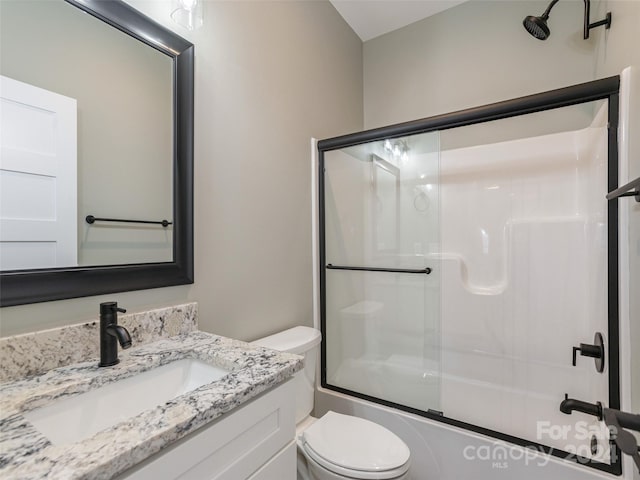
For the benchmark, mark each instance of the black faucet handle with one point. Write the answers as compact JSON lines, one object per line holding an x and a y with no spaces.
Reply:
{"x":113,"y":307}
{"x":595,"y":351}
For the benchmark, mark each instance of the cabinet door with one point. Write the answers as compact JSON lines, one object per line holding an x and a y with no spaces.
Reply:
{"x":234,"y":447}
{"x":280,"y":467}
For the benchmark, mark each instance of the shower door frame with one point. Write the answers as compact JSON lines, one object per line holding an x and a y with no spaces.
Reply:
{"x":603,"y":89}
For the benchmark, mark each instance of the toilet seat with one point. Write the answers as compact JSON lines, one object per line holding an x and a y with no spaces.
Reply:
{"x":354,"y":474}
{"x":355,"y":447}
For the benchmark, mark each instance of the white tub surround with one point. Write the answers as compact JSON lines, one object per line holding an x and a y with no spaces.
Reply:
{"x":26,"y":453}
{"x":38,"y":352}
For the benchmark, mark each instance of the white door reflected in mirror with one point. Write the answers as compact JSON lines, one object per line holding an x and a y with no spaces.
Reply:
{"x":38,"y":177}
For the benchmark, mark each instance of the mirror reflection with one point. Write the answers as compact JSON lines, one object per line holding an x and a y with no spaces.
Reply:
{"x":86,"y":129}
{"x":385,"y":179}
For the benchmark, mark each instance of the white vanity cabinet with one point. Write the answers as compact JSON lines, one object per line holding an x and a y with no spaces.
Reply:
{"x":255,"y":441}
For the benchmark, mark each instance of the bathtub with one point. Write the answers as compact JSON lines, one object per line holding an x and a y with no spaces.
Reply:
{"x":444,"y":452}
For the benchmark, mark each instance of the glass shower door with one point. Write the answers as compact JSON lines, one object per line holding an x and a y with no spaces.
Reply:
{"x":472,"y":276}
{"x":524,"y":216}
{"x":382,"y":305}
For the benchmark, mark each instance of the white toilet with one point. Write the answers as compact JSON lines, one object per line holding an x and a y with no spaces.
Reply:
{"x":335,"y":446}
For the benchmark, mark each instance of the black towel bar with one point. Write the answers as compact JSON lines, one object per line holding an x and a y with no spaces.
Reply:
{"x":91,"y":220}
{"x":426,"y":270}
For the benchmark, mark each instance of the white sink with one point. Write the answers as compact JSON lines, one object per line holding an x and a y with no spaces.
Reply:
{"x":73,"y":419}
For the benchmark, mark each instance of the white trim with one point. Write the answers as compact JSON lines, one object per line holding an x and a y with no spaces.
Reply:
{"x":314,"y":233}
{"x":629,"y":79}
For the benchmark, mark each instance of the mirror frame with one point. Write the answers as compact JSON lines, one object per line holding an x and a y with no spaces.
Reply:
{"x":20,"y":287}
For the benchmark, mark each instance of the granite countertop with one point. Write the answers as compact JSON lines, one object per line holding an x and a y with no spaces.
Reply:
{"x":25,"y":453}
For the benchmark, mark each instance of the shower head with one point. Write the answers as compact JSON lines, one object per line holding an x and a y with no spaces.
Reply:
{"x":537,"y":26}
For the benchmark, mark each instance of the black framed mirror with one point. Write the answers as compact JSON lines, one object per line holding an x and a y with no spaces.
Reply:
{"x":24,"y":286}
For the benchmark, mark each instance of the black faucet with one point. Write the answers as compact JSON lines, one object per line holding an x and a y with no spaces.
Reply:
{"x":110,"y":332}
{"x":568,"y":405}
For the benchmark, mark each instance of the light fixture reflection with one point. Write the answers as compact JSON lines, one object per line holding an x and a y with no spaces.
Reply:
{"x":188,"y":13}
{"x":399,"y":149}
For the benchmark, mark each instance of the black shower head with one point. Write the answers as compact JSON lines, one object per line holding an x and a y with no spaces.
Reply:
{"x":537,"y":26}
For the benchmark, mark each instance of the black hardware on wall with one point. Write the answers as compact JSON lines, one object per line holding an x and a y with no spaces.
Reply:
{"x":569,"y":405}
{"x":90,"y":219}
{"x":606,"y":22}
{"x":538,"y":28}
{"x":595,"y":351}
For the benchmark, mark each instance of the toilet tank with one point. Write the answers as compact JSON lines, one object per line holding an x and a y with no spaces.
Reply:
{"x":303,"y":341}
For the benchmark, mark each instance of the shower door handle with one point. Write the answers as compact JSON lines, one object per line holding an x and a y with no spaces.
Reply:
{"x":425,"y":270}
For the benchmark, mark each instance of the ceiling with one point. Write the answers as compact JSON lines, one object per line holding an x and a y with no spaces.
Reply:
{"x":372,"y":18}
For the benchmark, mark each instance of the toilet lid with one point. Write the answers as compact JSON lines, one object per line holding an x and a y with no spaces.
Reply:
{"x":356,"y":444}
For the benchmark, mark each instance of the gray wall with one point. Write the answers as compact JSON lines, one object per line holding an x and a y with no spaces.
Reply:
{"x":473,"y":54}
{"x":269,"y":76}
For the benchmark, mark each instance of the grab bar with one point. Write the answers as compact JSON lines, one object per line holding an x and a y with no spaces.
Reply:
{"x":626,"y":190}
{"x":425,"y":270}
{"x":90,"y":219}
